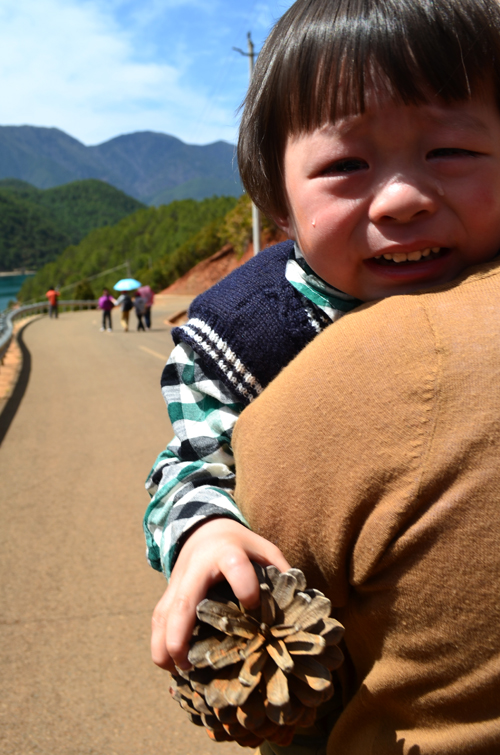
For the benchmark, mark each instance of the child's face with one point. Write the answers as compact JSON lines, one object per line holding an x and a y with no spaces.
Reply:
{"x":399,"y":198}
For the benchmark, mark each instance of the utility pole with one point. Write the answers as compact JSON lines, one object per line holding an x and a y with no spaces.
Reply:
{"x":255,"y":210}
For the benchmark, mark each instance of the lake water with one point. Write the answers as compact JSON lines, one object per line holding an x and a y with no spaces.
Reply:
{"x":10,"y":285}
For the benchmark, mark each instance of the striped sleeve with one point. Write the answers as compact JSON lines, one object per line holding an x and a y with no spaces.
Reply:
{"x":192,"y":480}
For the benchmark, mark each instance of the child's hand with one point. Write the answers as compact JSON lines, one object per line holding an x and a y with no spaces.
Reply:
{"x":220,"y":548}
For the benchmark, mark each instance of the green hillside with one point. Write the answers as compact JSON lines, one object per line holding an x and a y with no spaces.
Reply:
{"x":82,"y":206}
{"x":37,"y":225}
{"x":234,"y":228}
{"x":160,"y":244}
{"x":29,"y":234}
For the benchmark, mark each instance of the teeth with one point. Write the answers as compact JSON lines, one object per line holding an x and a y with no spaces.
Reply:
{"x":410,"y":256}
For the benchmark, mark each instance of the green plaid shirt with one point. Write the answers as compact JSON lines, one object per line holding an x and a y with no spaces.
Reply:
{"x":193,"y":478}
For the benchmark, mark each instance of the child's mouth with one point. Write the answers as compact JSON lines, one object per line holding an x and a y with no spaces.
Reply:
{"x":404,"y":258}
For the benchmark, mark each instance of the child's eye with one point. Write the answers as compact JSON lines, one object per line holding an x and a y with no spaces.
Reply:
{"x":349,"y":165}
{"x":451,"y":152}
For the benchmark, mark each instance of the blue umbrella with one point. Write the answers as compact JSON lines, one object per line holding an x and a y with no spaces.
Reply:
{"x":126,"y":284}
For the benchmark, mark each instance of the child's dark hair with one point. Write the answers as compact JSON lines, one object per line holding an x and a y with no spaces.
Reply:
{"x":322,"y":54}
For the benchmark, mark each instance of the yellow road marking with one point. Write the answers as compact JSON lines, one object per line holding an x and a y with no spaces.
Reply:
{"x":154,"y":353}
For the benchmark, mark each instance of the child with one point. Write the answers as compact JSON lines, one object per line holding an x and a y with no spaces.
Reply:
{"x":106,"y":303}
{"x":371,"y":133}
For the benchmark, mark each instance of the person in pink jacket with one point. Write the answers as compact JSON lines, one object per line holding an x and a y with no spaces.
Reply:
{"x":106,"y":304}
{"x":147,"y":294}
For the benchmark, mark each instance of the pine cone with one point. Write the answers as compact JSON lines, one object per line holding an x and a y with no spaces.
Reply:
{"x":261,"y":674}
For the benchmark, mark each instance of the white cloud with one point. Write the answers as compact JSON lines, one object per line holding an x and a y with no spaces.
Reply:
{"x":68,"y":63}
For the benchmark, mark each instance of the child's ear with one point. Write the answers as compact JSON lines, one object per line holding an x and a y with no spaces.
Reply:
{"x":285,"y":223}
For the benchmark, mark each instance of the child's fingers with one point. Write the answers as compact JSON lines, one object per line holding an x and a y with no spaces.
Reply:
{"x":174,"y":618}
{"x":220,"y":548}
{"x":159,"y":652}
{"x":237,"y":568}
{"x":182,"y":617}
{"x":267,"y":554}
{"x":190,"y":585}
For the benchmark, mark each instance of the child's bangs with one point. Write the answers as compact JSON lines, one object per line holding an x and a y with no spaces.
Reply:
{"x":415,"y":51}
{"x":323,"y":56}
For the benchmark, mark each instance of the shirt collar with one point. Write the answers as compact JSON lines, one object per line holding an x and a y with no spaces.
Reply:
{"x":328,"y":298}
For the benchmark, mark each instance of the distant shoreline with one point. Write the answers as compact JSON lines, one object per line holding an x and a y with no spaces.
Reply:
{"x":10,"y":285}
{"x":17,"y":272}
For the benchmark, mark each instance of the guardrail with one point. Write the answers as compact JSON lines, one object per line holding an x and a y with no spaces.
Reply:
{"x":7,"y":317}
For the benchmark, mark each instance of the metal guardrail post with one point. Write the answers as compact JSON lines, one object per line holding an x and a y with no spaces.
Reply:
{"x":7,"y":317}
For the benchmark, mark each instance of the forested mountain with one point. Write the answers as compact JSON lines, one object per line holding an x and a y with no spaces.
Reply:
{"x":145,"y":238}
{"x":29,"y":235}
{"x":159,"y":243}
{"x":154,"y":168}
{"x":37,"y":225}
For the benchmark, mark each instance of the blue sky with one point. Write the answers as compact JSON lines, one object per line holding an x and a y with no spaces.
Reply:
{"x":100,"y":68}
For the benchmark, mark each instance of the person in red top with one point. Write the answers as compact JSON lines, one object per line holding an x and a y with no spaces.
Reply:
{"x":52,"y":295}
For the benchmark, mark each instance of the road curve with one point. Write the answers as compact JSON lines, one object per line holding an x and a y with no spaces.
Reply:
{"x":76,"y":593}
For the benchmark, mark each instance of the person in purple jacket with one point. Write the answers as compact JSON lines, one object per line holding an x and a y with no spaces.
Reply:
{"x":106,"y":304}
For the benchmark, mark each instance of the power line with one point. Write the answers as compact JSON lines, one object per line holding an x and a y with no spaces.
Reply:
{"x":93,"y":277}
{"x":255,"y":210}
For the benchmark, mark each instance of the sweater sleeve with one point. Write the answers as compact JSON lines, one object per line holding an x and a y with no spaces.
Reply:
{"x":192,"y":480}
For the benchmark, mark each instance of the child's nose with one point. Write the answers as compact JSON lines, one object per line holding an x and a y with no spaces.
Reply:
{"x":401,"y":202}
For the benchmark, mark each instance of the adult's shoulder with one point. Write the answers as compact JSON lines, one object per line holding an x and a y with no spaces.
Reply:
{"x":393,"y":386}
{"x":372,"y":462}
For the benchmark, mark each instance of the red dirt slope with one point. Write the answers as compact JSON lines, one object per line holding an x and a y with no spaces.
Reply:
{"x":210,"y":271}
{"x":207,"y":272}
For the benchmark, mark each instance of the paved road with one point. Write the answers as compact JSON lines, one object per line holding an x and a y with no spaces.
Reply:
{"x":76,"y":593}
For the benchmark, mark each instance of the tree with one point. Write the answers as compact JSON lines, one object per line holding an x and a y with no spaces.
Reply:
{"x":83,"y":291}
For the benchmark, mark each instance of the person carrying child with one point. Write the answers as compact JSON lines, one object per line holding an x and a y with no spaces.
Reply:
{"x":371,"y":134}
{"x":125,"y":303}
{"x":387,"y":499}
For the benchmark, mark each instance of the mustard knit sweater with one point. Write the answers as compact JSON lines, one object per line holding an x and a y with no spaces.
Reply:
{"x":373,"y":462}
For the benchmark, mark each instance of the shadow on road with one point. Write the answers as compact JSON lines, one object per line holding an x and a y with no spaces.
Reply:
{"x":12,"y":405}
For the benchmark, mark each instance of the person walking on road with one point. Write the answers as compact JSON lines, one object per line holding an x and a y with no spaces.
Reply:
{"x":148,"y":295}
{"x":125,"y":303}
{"x":140,"y":311}
{"x":106,"y":304}
{"x":53,"y":295}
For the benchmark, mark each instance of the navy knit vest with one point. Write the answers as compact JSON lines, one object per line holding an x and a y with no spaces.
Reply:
{"x":251,"y":324}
